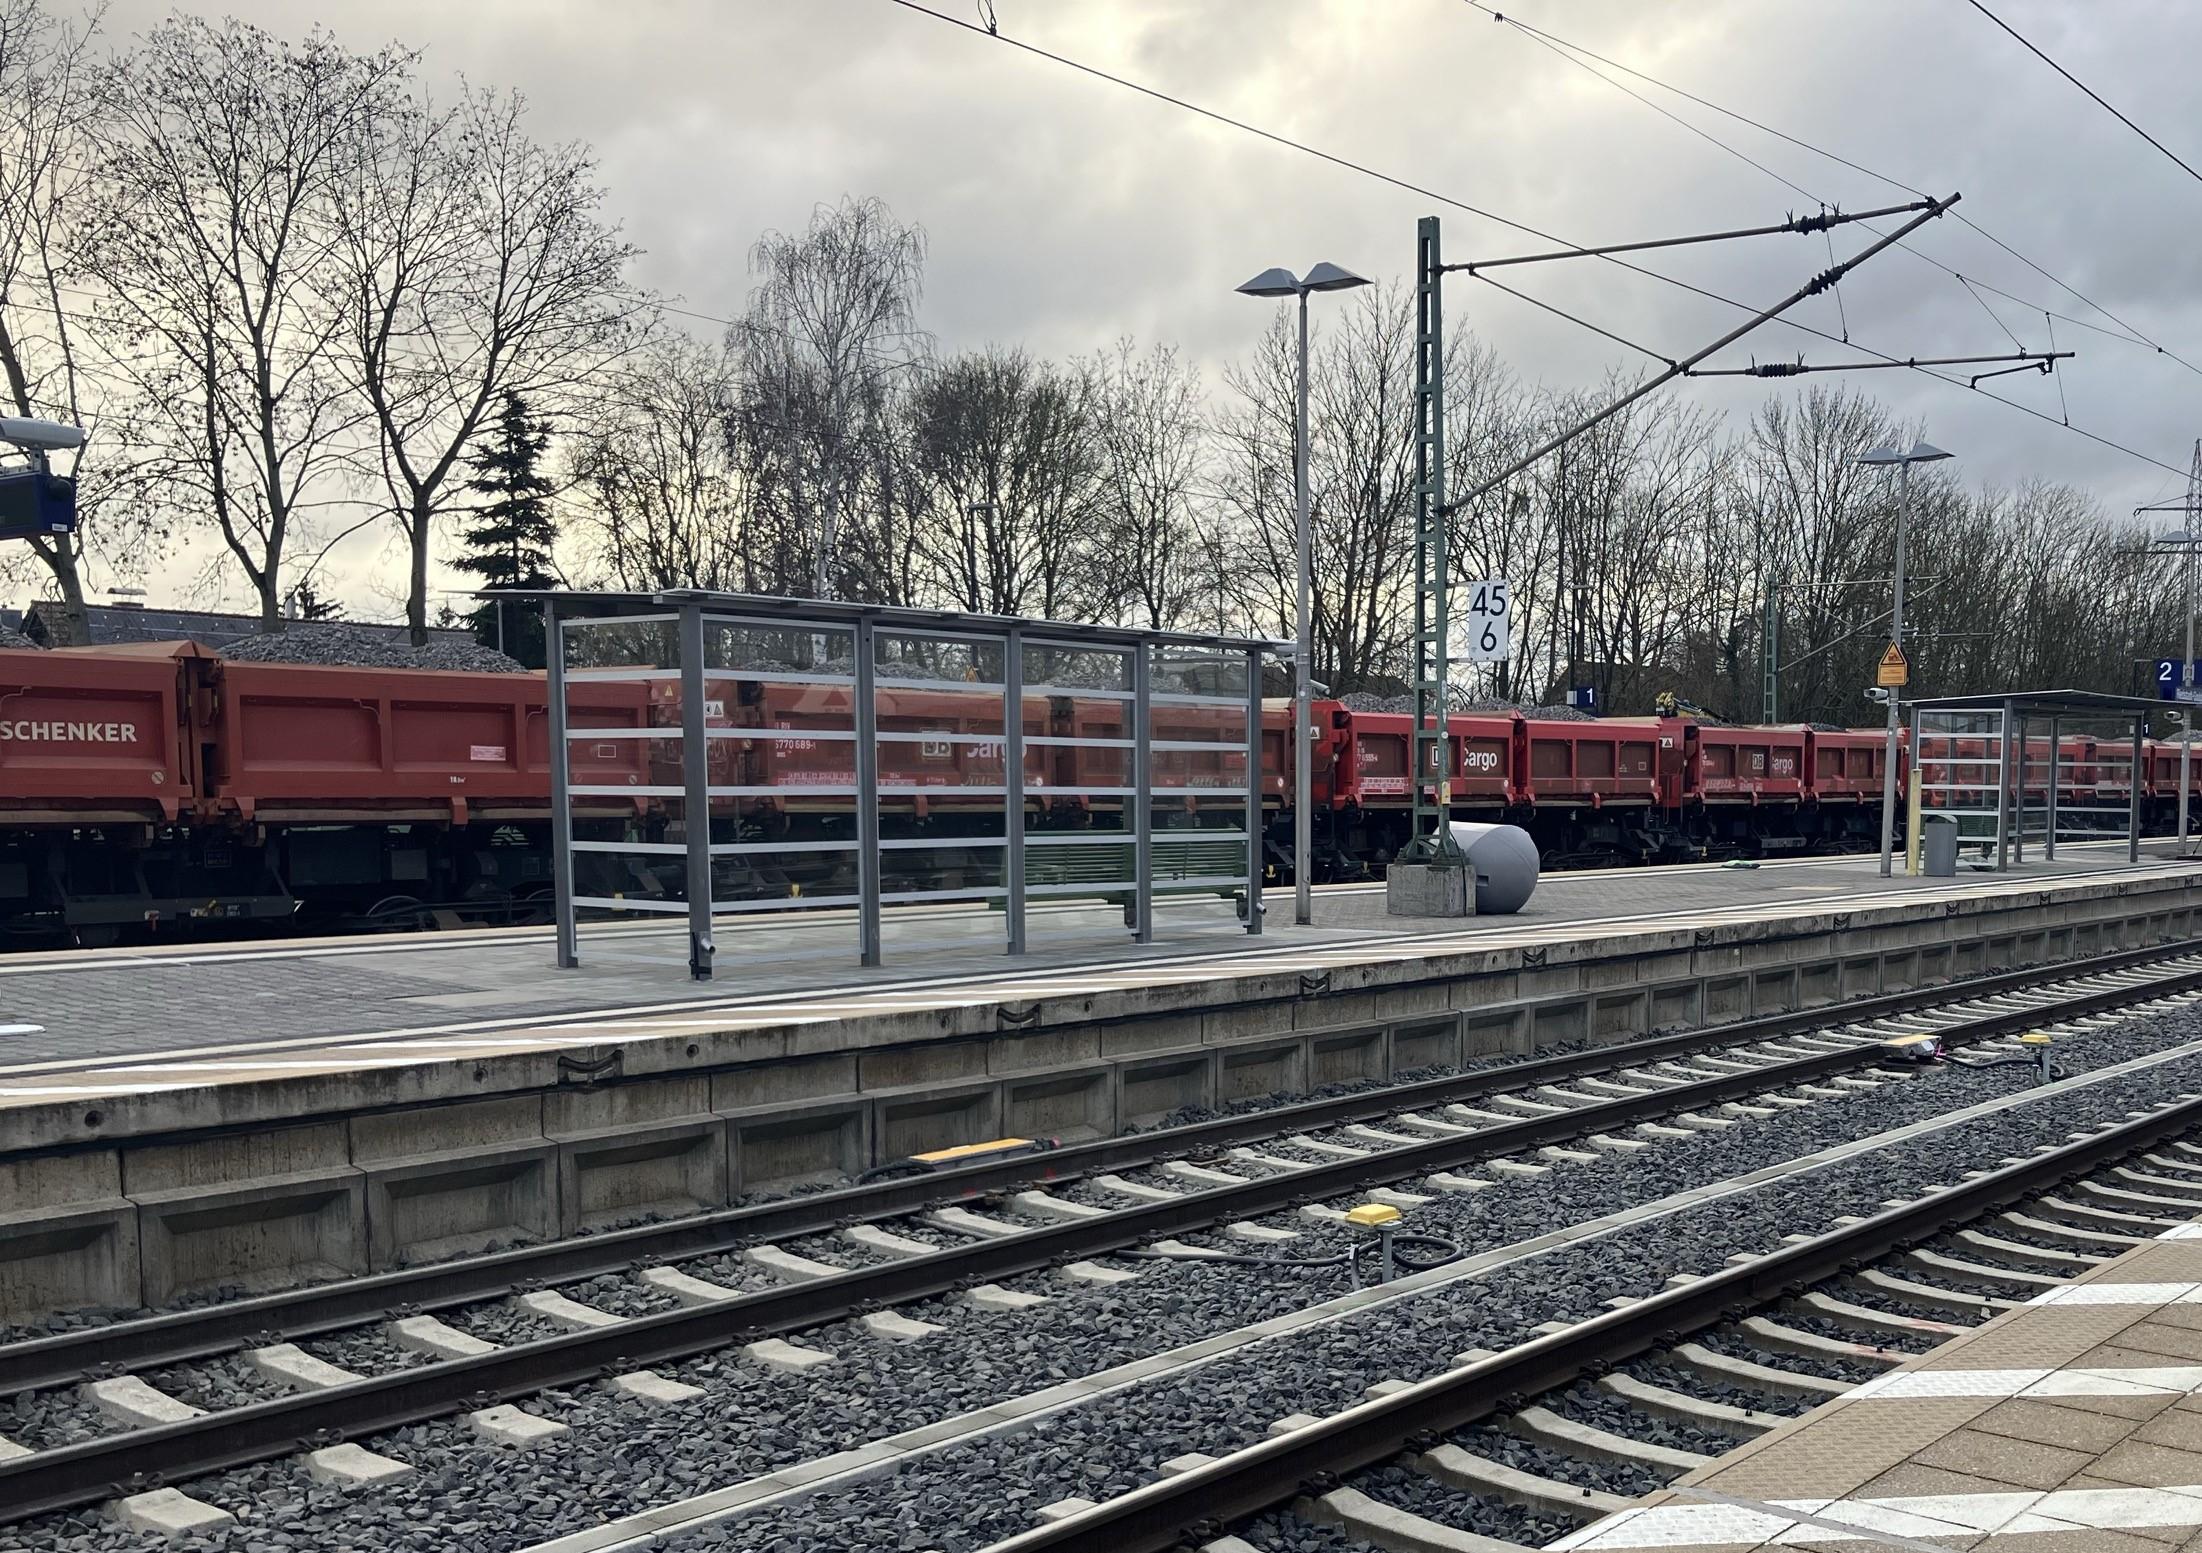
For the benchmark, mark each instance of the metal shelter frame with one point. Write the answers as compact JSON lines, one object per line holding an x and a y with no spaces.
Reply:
{"x":693,"y":667}
{"x":1995,"y":783}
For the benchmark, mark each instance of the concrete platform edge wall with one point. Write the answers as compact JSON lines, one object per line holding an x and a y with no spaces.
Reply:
{"x":255,"y":1184}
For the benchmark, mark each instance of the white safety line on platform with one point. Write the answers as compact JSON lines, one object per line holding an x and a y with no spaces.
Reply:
{"x":1904,"y":1521}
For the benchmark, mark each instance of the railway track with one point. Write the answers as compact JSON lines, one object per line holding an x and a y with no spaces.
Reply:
{"x":1551,"y":1403}
{"x":1088,"y":1209}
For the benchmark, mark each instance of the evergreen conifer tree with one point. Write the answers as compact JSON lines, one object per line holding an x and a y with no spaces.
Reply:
{"x":509,"y":543}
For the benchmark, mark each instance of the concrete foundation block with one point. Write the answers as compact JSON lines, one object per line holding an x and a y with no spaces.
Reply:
{"x":1429,"y":890}
{"x":461,"y":1203}
{"x":167,"y":1512}
{"x":826,"y":1141}
{"x":508,"y":1425}
{"x":650,"y":1386}
{"x":352,"y":1466}
{"x":1070,"y":1106}
{"x":614,"y":1177}
{"x":1149,"y":1089}
{"x":904,"y":1125}
{"x":83,"y":1257}
{"x":257,"y":1234}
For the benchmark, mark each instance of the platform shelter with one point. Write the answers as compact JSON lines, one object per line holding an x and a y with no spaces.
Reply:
{"x":2030,"y":767}
{"x":718,"y":755}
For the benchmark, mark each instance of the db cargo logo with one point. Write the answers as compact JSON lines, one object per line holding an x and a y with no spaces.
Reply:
{"x":40,"y":731}
{"x":1479,"y":760}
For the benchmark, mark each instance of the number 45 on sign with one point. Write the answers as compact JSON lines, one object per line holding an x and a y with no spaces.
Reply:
{"x":1489,"y":634}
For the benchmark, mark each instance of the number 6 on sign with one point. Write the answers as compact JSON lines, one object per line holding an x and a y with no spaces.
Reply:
{"x":1490,"y":621}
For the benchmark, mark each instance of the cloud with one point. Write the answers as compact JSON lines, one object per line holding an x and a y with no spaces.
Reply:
{"x":1064,"y":212}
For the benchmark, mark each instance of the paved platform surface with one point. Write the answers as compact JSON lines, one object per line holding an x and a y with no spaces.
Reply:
{"x":2070,"y":1425}
{"x":152,"y":1018}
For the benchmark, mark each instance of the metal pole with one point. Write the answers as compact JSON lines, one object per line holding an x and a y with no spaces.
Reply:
{"x":1254,"y":789}
{"x":1896,"y":635}
{"x":1013,"y":781}
{"x":867,"y":800}
{"x":2133,"y":797}
{"x":1143,"y":836}
{"x":1303,"y":729}
{"x":561,"y":816}
{"x":2003,"y":786}
{"x":695,"y":763}
{"x":2056,"y":750}
{"x":2186,"y":681}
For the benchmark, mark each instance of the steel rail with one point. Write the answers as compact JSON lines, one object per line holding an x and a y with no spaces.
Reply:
{"x":1248,"y":1482}
{"x":215,"y":1329}
{"x":93,"y":1470}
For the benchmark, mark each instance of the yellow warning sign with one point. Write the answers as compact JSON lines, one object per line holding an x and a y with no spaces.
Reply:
{"x":1894,"y":669}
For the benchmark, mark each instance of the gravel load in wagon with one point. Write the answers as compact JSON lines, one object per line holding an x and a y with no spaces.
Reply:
{"x":344,"y":647}
{"x":1363,"y":701}
{"x":16,"y":641}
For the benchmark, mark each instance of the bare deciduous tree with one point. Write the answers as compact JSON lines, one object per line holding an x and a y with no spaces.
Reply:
{"x":472,"y":262}
{"x":212,"y":252}
{"x":832,"y":317}
{"x":1148,"y":440}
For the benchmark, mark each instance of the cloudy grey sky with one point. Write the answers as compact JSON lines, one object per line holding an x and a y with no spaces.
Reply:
{"x":1064,"y":211}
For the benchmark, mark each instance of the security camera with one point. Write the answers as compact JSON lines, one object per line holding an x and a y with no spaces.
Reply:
{"x":39,"y":436}
{"x":1877,"y":693}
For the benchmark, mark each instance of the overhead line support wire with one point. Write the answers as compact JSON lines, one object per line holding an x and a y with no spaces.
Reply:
{"x":1821,"y":222}
{"x":2083,"y":86}
{"x":1636,"y":269}
{"x":1810,"y":288}
{"x":2029,"y":360}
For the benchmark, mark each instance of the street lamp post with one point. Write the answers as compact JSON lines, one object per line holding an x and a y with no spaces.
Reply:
{"x":1283,"y":283}
{"x":1920,"y":453}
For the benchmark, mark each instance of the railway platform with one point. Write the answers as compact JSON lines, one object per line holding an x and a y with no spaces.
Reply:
{"x":235,"y":1114}
{"x":2072,"y":1424}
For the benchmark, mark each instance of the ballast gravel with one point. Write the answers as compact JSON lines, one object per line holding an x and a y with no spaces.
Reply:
{"x":334,"y":644}
{"x":621,"y":1458}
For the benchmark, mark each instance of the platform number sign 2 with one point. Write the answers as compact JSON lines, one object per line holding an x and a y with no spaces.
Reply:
{"x":1490,"y":633}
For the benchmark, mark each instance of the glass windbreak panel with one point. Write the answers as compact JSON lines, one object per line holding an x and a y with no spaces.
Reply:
{"x":1200,"y":852}
{"x":1957,"y":765}
{"x":935,"y":735}
{"x":778,"y":649}
{"x":1220,"y":770}
{"x":1078,"y":668}
{"x":621,"y":644}
{"x":1096,"y":858}
{"x":1196,"y":672}
{"x":1076,"y":742}
{"x":943,"y":865}
{"x":951,"y":660}
{"x":631,"y":864}
{"x":781,"y":875}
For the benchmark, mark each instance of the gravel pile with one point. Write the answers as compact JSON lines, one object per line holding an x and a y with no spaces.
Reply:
{"x":621,"y":1459}
{"x":348,"y":646}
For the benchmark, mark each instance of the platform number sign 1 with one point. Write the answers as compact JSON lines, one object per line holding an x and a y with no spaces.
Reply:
{"x":1490,"y":634}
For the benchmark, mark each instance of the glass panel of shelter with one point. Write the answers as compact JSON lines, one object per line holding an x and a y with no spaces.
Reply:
{"x":617,"y":832}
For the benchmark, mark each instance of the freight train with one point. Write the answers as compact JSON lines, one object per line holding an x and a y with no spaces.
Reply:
{"x":158,"y":789}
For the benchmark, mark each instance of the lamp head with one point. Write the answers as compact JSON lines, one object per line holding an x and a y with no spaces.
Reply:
{"x":1273,"y":283}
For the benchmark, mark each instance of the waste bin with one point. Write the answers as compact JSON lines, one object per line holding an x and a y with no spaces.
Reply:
{"x":1938,"y":846}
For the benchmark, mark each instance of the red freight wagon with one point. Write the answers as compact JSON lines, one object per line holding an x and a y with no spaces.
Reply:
{"x":317,"y":744}
{"x":1846,"y":767}
{"x":1613,"y":760}
{"x":1747,"y":765}
{"x":1370,"y":757}
{"x":91,"y":737}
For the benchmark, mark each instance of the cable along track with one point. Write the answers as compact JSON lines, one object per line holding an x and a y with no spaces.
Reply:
{"x":75,"y":1474}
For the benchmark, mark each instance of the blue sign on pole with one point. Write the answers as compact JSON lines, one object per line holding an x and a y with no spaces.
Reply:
{"x":2167,"y":677}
